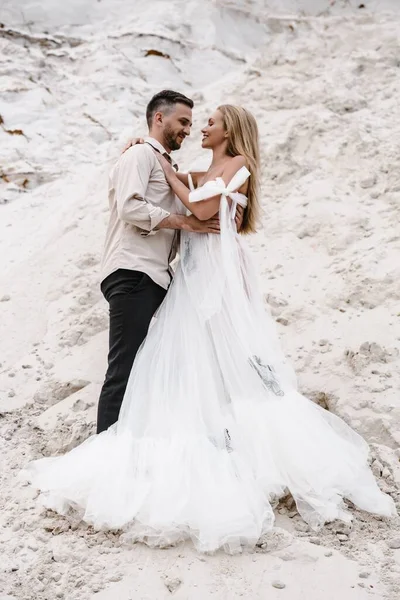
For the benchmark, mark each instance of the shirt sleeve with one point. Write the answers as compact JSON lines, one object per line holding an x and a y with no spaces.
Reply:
{"x":131,"y":179}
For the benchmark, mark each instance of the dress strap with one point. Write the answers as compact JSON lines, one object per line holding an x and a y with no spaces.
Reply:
{"x":191,"y":184}
{"x":217,"y":187}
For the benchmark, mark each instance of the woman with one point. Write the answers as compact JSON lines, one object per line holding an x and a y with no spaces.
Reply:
{"x":212,"y":429}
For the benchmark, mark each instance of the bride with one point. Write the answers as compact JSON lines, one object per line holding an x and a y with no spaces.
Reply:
{"x":212,"y":430}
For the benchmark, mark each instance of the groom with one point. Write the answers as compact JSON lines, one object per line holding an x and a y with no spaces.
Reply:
{"x":141,"y":242}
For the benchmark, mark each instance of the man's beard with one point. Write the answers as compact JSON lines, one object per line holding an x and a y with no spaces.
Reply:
{"x":171,"y":140}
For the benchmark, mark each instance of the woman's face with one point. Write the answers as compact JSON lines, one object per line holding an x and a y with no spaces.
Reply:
{"x":214,"y":133}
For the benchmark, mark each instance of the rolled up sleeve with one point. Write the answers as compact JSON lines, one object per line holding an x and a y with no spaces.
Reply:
{"x":132,"y":177}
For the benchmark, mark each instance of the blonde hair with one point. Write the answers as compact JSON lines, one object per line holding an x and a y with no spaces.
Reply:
{"x":243,"y":140}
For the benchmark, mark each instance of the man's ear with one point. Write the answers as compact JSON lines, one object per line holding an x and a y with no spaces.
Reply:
{"x":158,"y":118}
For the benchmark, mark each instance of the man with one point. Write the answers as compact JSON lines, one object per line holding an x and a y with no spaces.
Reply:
{"x":141,"y":242}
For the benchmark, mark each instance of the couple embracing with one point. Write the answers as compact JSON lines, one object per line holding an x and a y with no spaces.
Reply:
{"x":200,"y":426}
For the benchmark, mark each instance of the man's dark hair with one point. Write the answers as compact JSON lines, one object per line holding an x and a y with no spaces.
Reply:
{"x":164,"y":101}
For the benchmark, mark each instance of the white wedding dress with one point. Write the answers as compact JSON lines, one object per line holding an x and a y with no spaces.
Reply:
{"x":212,"y":430}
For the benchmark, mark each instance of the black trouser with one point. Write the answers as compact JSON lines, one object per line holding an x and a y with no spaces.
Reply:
{"x":133,"y":298}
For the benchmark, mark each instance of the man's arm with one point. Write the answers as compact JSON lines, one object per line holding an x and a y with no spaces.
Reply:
{"x":131,"y":180}
{"x":190,"y":223}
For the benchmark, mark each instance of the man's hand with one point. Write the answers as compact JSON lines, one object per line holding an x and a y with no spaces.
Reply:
{"x":190,"y":223}
{"x":196,"y":226}
{"x":133,"y":142}
{"x":239,"y":217}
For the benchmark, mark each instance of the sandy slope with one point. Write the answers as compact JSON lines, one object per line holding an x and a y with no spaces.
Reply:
{"x":324,"y":86}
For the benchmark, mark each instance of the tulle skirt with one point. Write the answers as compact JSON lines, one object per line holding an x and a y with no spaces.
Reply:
{"x":212,"y":430}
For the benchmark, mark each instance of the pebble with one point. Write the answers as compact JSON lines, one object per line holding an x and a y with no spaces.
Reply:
{"x":328,"y":554}
{"x":394,"y":544}
{"x":343,"y":529}
{"x":279,"y":585}
{"x":116,"y":577}
{"x":11,"y":394}
{"x":301,"y":526}
{"x":172,"y":584}
{"x":33,"y":546}
{"x":364,"y":575}
{"x":315,"y":540}
{"x":282,"y":321}
{"x":5,"y":298}
{"x":368,"y":182}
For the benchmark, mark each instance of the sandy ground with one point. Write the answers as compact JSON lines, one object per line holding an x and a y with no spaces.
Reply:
{"x":323,"y":80}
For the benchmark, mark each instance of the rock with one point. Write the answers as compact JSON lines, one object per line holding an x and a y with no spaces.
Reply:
{"x":279,"y":585}
{"x":394,"y":544}
{"x":343,"y":529}
{"x":115,"y":577}
{"x":282,"y":321}
{"x":172,"y":584}
{"x":5,"y":298}
{"x":328,"y":554}
{"x":33,"y":546}
{"x":368,"y":182}
{"x":342,"y":537}
{"x":377,"y":468}
{"x":315,"y":540}
{"x":364,"y":575}
{"x":301,"y":526}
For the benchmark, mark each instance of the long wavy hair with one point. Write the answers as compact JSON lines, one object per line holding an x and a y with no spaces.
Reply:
{"x":242,"y":130}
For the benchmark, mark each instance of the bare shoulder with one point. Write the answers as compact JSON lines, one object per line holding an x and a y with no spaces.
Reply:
{"x":232,"y":167}
{"x":236,"y":163}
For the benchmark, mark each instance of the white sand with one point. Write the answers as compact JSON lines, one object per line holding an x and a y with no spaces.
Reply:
{"x":324,"y":86}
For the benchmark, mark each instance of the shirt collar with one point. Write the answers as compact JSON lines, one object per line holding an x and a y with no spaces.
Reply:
{"x":156,"y":144}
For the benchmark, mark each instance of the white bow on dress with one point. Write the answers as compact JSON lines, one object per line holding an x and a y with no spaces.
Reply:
{"x":217,"y":187}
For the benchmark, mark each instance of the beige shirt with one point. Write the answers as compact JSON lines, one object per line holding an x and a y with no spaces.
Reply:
{"x":140,"y":198}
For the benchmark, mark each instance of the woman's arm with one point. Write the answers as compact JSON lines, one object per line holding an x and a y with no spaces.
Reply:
{"x":183,"y":177}
{"x":204,"y":209}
